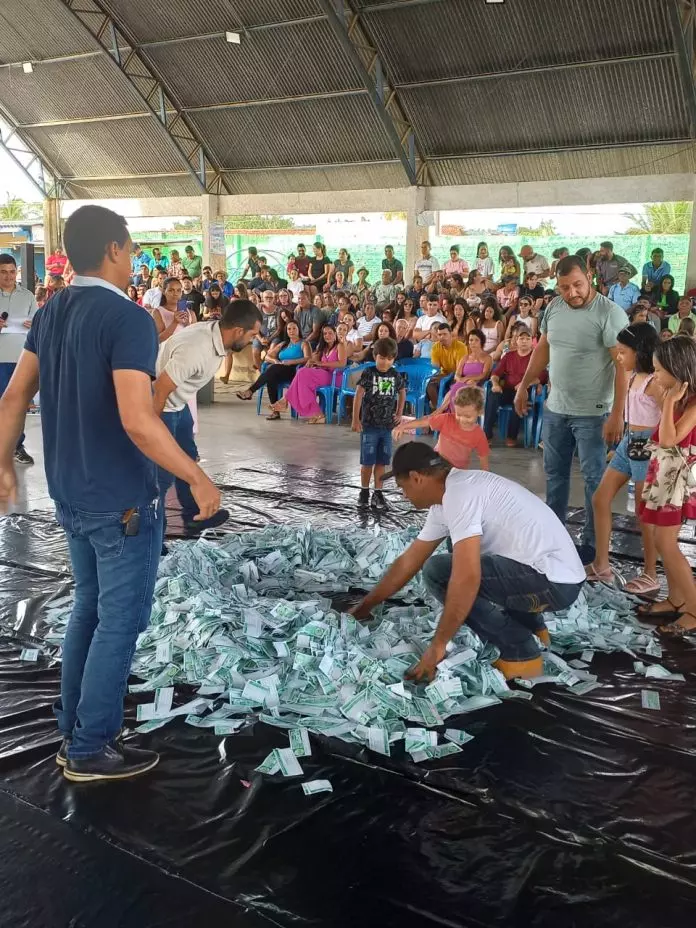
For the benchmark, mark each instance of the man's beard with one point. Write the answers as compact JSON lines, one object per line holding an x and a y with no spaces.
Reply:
{"x":236,"y":347}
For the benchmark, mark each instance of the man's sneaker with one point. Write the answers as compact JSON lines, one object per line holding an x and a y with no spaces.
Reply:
{"x":21,"y":456}
{"x":364,"y":499}
{"x":378,"y":500}
{"x":194,"y":528}
{"x":111,"y":763}
{"x":62,"y":755}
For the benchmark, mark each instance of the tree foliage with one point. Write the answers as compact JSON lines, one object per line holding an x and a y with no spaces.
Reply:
{"x":661,"y":219}
{"x":545,"y":227}
{"x":242,"y":222}
{"x":15,"y":209}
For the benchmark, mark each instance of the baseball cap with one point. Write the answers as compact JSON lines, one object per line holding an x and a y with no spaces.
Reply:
{"x":415,"y":455}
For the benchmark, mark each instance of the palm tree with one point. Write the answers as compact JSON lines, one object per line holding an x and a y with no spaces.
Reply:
{"x":661,"y":219}
{"x":13,"y":209}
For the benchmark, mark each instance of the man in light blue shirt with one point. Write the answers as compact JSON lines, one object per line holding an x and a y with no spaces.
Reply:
{"x":624,"y":292}
{"x":654,"y":270}
{"x":138,"y":258}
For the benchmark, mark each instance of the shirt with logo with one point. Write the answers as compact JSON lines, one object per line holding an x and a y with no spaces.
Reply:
{"x":381,"y":397}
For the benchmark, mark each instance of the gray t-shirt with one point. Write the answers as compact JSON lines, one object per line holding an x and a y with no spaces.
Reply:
{"x":581,"y":370}
{"x":308,"y":318}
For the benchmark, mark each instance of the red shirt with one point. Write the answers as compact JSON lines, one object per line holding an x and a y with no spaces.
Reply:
{"x":513,"y":367}
{"x":455,"y":444}
{"x":55,"y":265}
{"x":302,"y":266}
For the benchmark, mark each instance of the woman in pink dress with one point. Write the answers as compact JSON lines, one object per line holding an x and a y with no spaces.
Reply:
{"x":329,"y":356}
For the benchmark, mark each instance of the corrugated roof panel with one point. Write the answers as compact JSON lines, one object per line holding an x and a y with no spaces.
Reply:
{"x":490,"y":38}
{"x":170,"y":19}
{"x":278,"y":63}
{"x":34,"y":29}
{"x":134,"y":187}
{"x":68,"y":90}
{"x":613,"y":104}
{"x":309,"y":132}
{"x":564,"y":165}
{"x":359,"y":177}
{"x":129,"y":146}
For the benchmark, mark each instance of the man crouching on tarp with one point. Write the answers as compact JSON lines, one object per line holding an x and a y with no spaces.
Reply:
{"x":511,"y":560}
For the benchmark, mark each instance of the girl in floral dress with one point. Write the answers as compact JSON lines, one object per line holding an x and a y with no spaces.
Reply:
{"x":669,"y":494}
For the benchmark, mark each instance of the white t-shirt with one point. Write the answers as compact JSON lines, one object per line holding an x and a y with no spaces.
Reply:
{"x":365,"y":326}
{"x":425,"y":323}
{"x":191,"y":357}
{"x":510,"y":521}
{"x":425,"y":267}
{"x":152,"y":298}
{"x":295,"y":287}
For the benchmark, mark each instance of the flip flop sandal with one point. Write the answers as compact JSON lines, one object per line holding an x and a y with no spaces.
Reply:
{"x":244,"y":396}
{"x":600,"y":576}
{"x":273,"y":417}
{"x":642,"y":585}
{"x":677,"y":631}
{"x":647,"y":612}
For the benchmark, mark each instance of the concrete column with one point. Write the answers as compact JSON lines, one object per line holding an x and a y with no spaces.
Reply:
{"x":51,"y":224}
{"x":415,"y":234}
{"x":213,"y":226}
{"x":214,"y":254}
{"x":691,"y":258}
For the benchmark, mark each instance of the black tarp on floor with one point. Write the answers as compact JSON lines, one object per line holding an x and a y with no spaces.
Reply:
{"x":563,"y":812}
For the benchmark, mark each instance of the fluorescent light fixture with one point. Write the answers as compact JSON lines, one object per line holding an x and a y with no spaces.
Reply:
{"x":233,"y":37}
{"x":495,"y":1}
{"x":28,"y":67}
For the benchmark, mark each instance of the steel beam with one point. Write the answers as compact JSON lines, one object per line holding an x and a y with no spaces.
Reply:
{"x":343,"y":21}
{"x":121,"y":49}
{"x":681,"y":16}
{"x":28,"y":158}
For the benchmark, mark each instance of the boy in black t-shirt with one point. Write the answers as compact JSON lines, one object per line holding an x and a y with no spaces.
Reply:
{"x":379,"y":402}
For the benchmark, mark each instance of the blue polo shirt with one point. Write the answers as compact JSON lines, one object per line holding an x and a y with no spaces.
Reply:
{"x":81,"y":336}
{"x":655,"y":274}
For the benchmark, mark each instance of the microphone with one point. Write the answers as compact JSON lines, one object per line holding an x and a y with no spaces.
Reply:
{"x":4,"y":316}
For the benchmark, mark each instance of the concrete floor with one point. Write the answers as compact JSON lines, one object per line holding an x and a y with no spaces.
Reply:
{"x":231,"y":434}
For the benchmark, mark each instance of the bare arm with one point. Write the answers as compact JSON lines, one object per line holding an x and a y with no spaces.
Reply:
{"x":357,"y":406}
{"x":614,"y":426}
{"x":671,"y":434}
{"x":13,"y":410}
{"x":404,"y":427}
{"x":462,"y":589}
{"x":400,"y":405}
{"x":401,"y":571}
{"x":164,"y":386}
{"x":148,"y":433}
{"x":164,"y":332}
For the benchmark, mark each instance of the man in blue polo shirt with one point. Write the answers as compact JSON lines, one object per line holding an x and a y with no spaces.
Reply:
{"x":94,"y":352}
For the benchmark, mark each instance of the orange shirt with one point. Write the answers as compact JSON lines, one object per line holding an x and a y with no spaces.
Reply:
{"x":455,"y":444}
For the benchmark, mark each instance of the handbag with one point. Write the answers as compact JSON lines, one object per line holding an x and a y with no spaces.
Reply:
{"x":636,"y":448}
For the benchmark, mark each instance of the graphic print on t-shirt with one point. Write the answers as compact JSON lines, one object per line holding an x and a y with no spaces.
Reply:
{"x":381,"y":394}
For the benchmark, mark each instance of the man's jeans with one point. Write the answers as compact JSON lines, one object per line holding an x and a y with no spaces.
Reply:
{"x":6,"y":371}
{"x":114,"y":583}
{"x":180,"y":424}
{"x":562,"y":434}
{"x":508,"y":609}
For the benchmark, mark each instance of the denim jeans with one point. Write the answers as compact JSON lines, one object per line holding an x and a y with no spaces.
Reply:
{"x":495,"y":401}
{"x":6,"y":371}
{"x":511,"y":598}
{"x":180,"y":424}
{"x":114,"y":582}
{"x":562,"y":434}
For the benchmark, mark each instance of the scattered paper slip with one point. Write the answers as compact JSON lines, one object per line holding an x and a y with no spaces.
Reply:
{"x":316,"y":786}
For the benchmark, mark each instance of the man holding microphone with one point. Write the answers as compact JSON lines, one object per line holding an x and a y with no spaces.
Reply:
{"x":17,"y":306}
{"x":93,"y":352}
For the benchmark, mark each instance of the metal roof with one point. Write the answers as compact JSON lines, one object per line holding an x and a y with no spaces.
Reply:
{"x":124,"y":101}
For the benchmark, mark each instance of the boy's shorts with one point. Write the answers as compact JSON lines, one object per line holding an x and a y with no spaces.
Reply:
{"x":375,"y":447}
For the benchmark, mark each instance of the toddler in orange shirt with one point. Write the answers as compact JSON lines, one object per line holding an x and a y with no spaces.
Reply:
{"x":460,"y":432}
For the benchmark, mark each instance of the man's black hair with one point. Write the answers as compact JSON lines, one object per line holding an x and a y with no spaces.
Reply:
{"x":7,"y":259}
{"x":241,"y":314}
{"x":416,"y":456}
{"x":566,"y":265}
{"x":606,"y":245}
{"x":444,"y":325}
{"x":89,"y":232}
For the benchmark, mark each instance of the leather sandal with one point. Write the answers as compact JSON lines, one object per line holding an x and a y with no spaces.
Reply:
{"x":647,"y":611}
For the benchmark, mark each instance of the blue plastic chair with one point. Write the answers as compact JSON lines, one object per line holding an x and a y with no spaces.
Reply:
{"x":504,"y":413}
{"x":347,"y":390}
{"x":328,"y":394}
{"x":418,"y":378}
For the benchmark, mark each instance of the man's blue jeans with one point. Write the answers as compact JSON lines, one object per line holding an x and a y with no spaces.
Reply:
{"x":180,"y":424}
{"x":510,"y":602}
{"x":114,"y":582}
{"x":562,"y":434}
{"x":6,"y":371}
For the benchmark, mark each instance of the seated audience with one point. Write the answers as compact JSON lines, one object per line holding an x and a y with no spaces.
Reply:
{"x":446,"y":354}
{"x":524,"y":317}
{"x":508,"y":294}
{"x":492,"y":324}
{"x":653,"y":272}
{"x":532,"y":287}
{"x":473,"y":368}
{"x":385,"y":292}
{"x":483,"y":264}
{"x":153,"y":295}
{"x":456,"y":264}
{"x":390,"y":263}
{"x":295,"y":285}
{"x":344,"y":266}
{"x":535,"y":264}
{"x":131,"y":293}
{"x":367,"y":323}
{"x":506,"y":377}
{"x":282,"y":360}
{"x":269,"y":326}
{"x":404,"y":345}
{"x":558,"y":254}
{"x":363,"y":287}
{"x":623,"y":292}
{"x":667,"y":296}
{"x":408,"y":312}
{"x":317,"y":372}
{"x":191,"y":298}
{"x":458,"y":326}
{"x":416,"y":290}
{"x":423,"y":331}
{"x":509,"y":267}
{"x":687,"y":327}
{"x":309,"y":318}
{"x":319,"y":269}
{"x":353,"y":340}
{"x":684,"y":311}
{"x":215,"y":303}
{"x":475,"y":288}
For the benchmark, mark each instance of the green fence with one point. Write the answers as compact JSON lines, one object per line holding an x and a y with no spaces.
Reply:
{"x":277,"y":246}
